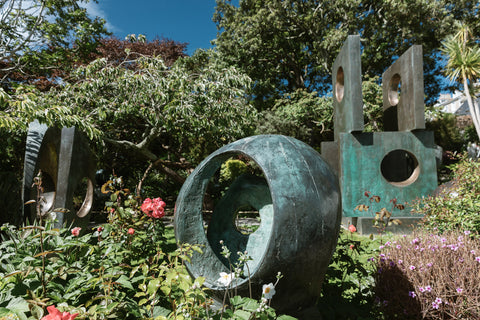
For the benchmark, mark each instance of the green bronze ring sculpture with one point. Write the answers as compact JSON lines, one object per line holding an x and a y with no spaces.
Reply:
{"x":299,"y":227}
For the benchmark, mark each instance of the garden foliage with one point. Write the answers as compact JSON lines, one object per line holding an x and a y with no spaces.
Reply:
{"x":124,"y":269}
{"x":457,"y":205}
{"x":429,"y":276}
{"x":347,"y":289}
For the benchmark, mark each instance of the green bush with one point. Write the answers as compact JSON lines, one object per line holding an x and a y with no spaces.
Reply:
{"x":125,"y":269}
{"x":446,"y":132}
{"x":456,"y":207}
{"x":347,"y":291}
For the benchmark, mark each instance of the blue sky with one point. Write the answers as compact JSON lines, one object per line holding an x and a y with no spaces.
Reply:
{"x":180,"y":20}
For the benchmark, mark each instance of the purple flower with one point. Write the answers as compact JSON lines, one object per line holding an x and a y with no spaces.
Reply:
{"x":415,"y":241}
{"x":472,"y":251}
{"x":412,"y":294}
{"x":428,"y":288}
{"x":459,"y":290}
{"x":466,"y":232}
{"x":477,"y":259}
{"x":399,"y":246}
{"x":392,"y":264}
{"x":444,"y":240}
{"x":438,"y":300}
{"x":429,"y":264}
{"x":413,"y":267}
{"x":400,"y":261}
{"x":435,"y":305}
{"x":381,"y":247}
{"x":421,"y":289}
{"x":388,"y":243}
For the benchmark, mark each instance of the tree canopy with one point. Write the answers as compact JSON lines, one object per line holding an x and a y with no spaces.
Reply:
{"x":285,"y":45}
{"x":40,"y":37}
{"x":171,"y":116}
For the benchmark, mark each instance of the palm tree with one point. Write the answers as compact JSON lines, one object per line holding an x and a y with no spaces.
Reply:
{"x":464,"y":65}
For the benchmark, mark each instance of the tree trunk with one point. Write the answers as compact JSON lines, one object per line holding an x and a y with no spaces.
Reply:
{"x":473,"y":107}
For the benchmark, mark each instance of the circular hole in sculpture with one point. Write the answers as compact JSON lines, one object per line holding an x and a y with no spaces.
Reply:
{"x":394,"y":89}
{"x":234,"y":206}
{"x":83,"y":197}
{"x":339,"y":85}
{"x":400,"y":167}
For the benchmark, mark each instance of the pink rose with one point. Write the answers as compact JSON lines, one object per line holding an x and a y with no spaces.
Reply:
{"x":153,"y":208}
{"x":76,"y":231}
{"x":131,"y":231}
{"x":54,"y":314}
{"x":352,"y":228}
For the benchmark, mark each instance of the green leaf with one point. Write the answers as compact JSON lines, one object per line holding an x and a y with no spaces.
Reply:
{"x":285,"y":317}
{"x":125,"y":282}
{"x":153,"y":286}
{"x":243,"y":315}
{"x":159,"y":311}
{"x":250,"y":305}
{"x":19,"y":306}
{"x":236,"y":301}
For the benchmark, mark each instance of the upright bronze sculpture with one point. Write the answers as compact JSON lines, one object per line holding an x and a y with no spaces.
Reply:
{"x":396,"y":164}
{"x":66,"y":164}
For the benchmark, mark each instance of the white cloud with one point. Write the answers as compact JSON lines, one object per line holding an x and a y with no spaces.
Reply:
{"x":95,"y":10}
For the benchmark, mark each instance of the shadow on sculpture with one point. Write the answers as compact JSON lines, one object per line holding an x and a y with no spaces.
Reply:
{"x":299,"y":205}
{"x":399,"y":163}
{"x":246,"y":191}
{"x":67,"y":171}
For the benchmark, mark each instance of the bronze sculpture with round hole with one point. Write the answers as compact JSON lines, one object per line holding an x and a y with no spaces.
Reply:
{"x":68,"y":168}
{"x":299,"y":203}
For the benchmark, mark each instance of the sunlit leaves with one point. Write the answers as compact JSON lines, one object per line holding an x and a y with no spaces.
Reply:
{"x":196,"y":98}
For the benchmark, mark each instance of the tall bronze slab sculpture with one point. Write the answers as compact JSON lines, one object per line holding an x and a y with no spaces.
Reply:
{"x":299,"y":205}
{"x":396,"y":164}
{"x":67,"y":165}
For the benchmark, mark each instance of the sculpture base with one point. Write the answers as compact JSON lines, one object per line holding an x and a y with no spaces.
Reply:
{"x":365,"y":225}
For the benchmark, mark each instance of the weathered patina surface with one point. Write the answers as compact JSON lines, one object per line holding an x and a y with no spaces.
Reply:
{"x":347,"y":88}
{"x":299,"y":203}
{"x":409,"y":173}
{"x":397,"y":164}
{"x":65,"y":160}
{"x":403,"y":95}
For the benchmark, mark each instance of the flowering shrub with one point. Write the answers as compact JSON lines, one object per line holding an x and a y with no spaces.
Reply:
{"x":154,"y":208}
{"x":429,"y":276}
{"x":124,"y":269}
{"x":76,"y":231}
{"x":54,"y":314}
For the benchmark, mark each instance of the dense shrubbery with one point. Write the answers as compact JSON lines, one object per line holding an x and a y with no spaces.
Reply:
{"x":446,"y":132}
{"x":429,"y":276}
{"x":456,"y":207}
{"x":124,"y":269}
{"x":347,"y":289}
